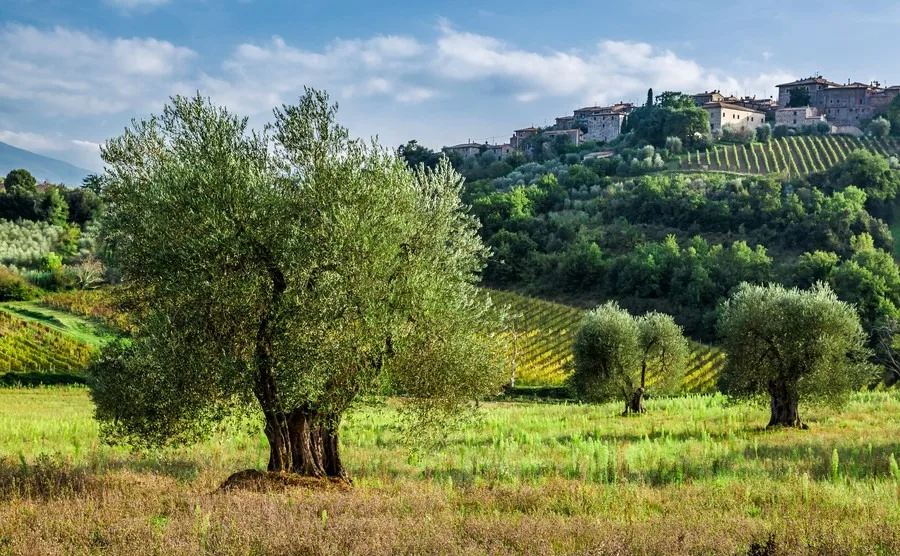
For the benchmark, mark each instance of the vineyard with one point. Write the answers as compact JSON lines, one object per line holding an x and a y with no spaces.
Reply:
{"x":27,"y":346}
{"x":543,"y":336}
{"x":789,"y":156}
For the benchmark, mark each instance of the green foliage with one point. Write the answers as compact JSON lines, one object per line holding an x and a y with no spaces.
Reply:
{"x":615,"y":353}
{"x":606,"y":354}
{"x":54,"y":208}
{"x":868,"y":171}
{"x":15,"y":288}
{"x":879,"y":127}
{"x":674,"y":145}
{"x":798,"y":98}
{"x":24,"y":244}
{"x":808,"y":341}
{"x":674,"y":115}
{"x":20,"y":183}
{"x":321,"y":268}
{"x":764,"y":133}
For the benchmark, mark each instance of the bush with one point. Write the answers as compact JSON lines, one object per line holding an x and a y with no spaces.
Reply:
{"x":879,"y":127}
{"x":14,"y":288}
{"x":781,"y":131}
{"x":674,"y":145}
{"x":738,"y":135}
{"x":764,"y":133}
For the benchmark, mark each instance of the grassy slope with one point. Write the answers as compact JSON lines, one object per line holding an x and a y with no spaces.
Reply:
{"x":546,"y":331}
{"x":79,"y":328}
{"x":45,"y":346}
{"x":694,"y":475}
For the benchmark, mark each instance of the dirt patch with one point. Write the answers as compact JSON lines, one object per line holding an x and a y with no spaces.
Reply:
{"x":270,"y":481}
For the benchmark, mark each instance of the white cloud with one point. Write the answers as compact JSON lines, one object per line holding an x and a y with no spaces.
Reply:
{"x":64,"y":75}
{"x":610,"y":72}
{"x":257,"y":77}
{"x":71,"y":73}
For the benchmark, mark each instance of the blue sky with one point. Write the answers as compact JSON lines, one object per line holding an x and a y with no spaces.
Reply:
{"x":75,"y":72}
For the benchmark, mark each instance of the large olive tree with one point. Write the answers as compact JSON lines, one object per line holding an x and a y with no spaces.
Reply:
{"x":791,"y":344}
{"x":618,"y":356}
{"x":286,"y":272}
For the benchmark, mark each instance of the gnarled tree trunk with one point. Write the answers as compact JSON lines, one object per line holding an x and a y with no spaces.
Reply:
{"x":304,"y":442}
{"x":635,"y":404}
{"x":784,"y":406}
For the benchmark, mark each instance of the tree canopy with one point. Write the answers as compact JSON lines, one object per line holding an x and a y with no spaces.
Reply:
{"x":286,"y":272}
{"x":792,"y":345}
{"x":618,"y":356}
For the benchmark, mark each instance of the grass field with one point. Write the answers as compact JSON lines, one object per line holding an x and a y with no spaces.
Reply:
{"x":545,"y":332}
{"x":789,"y":156}
{"x":692,"y":476}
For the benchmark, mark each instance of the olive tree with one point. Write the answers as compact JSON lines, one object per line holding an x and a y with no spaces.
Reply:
{"x":791,"y":344}
{"x":285,"y":273}
{"x":619,"y":356}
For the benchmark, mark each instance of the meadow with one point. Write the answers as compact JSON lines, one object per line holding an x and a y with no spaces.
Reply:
{"x":694,"y":475}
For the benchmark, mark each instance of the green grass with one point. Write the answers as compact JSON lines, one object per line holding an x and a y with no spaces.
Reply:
{"x":801,"y":155}
{"x":694,"y":475}
{"x":545,"y":334}
{"x":76,"y":327}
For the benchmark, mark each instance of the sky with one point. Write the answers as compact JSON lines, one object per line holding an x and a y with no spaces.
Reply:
{"x":75,"y":73}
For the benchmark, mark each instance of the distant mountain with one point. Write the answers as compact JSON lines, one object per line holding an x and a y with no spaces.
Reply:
{"x":41,"y":167}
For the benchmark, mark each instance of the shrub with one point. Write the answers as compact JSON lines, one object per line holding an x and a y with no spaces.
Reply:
{"x":14,"y":288}
{"x":674,"y":145}
{"x":764,"y":133}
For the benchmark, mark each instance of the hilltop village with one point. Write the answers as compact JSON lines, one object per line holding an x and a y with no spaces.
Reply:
{"x":813,"y":101}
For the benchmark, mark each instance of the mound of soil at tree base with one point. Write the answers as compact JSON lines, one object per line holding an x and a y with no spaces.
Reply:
{"x":271,"y":481}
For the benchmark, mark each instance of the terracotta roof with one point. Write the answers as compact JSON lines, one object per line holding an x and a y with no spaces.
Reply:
{"x":710,"y":105}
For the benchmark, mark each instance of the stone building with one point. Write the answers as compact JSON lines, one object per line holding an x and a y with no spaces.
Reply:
{"x":517,"y":141}
{"x":740,"y":117}
{"x":843,"y":106}
{"x":466,"y":149}
{"x":574,"y":135}
{"x":708,"y":96}
{"x":601,"y":123}
{"x":474,"y":149}
{"x":798,"y":117}
{"x":813,"y":85}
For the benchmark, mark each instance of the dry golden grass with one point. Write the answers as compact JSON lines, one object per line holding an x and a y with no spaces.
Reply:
{"x":694,"y":476}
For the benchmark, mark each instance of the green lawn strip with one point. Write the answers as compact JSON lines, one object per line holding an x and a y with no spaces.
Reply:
{"x":79,"y":328}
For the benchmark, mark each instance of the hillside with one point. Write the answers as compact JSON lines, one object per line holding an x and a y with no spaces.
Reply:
{"x":41,"y":167}
{"x":543,"y":345}
{"x":43,"y":345}
{"x":789,"y":156}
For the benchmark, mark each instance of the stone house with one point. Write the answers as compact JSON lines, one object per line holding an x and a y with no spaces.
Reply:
{"x":602,"y":123}
{"x":798,"y":117}
{"x":813,"y":85}
{"x":574,"y":135}
{"x":466,"y":149}
{"x":708,"y":96}
{"x":844,"y":106}
{"x":740,"y":117}
{"x":517,"y":141}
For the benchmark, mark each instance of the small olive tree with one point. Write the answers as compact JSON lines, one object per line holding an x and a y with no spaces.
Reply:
{"x":286,"y":273}
{"x":618,"y":356}
{"x":791,"y":344}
